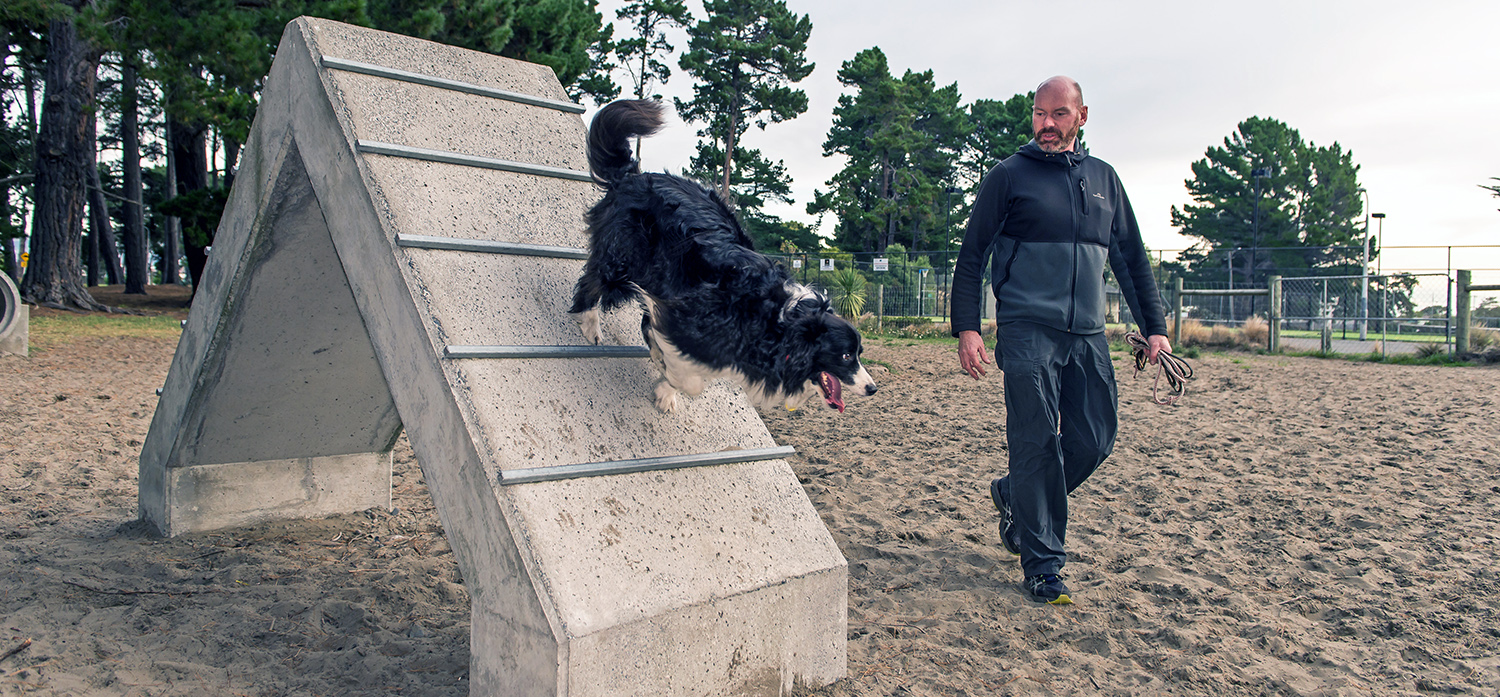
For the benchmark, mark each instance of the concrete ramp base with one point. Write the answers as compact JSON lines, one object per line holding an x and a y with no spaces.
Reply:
{"x":399,"y":252}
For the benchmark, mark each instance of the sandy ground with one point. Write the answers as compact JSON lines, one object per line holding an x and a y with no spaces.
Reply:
{"x":1293,"y":526}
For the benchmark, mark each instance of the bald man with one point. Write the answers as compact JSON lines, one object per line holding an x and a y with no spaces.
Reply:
{"x":1049,"y":218}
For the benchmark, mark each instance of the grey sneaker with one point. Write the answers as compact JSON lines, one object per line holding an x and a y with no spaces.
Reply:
{"x":1047,"y":588}
{"x":1007,"y":524}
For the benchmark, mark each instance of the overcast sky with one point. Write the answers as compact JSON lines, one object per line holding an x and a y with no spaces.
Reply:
{"x":1411,"y":89}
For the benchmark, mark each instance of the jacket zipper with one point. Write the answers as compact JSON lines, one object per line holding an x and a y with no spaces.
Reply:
{"x":1081,"y":211}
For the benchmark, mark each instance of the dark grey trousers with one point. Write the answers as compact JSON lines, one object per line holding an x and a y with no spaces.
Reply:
{"x":1060,"y":424}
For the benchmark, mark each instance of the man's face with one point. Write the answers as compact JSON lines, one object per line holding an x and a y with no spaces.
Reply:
{"x":1056,"y":117}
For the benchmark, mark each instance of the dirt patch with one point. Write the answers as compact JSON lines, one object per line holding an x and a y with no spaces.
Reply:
{"x":1292,"y":526}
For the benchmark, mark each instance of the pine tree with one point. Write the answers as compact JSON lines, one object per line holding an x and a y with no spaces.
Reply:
{"x":902,"y":138}
{"x":641,"y":54}
{"x":1000,"y":128}
{"x":64,"y":153}
{"x":1305,"y":197}
{"x":744,"y":57}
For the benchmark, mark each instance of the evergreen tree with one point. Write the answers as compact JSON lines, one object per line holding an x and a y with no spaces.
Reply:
{"x":22,"y":63}
{"x":1305,"y":196}
{"x":64,"y":154}
{"x":1000,"y":128}
{"x":641,"y":54}
{"x":744,"y":56}
{"x":902,"y":138}
{"x":755,"y":182}
{"x":555,"y":33}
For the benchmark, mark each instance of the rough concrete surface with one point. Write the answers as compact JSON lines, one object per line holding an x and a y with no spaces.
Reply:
{"x":705,"y":581}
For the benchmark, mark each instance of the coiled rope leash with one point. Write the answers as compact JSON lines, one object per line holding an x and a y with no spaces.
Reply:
{"x":1177,"y":370}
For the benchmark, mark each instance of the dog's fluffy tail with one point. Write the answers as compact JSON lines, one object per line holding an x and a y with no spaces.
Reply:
{"x":610,"y":154}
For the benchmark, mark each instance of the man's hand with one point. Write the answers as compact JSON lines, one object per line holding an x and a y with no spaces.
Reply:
{"x":971,"y":355}
{"x":1155,"y":343}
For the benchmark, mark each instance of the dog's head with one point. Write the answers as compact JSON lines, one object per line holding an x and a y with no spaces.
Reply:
{"x":823,"y":352}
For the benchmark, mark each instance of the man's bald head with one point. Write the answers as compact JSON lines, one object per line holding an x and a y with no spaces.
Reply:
{"x":1062,"y":84}
{"x":1058,"y":113}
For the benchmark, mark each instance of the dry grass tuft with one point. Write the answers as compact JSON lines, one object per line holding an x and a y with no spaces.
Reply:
{"x":1256,"y":330}
{"x":1193,"y":333}
{"x":1481,"y":338}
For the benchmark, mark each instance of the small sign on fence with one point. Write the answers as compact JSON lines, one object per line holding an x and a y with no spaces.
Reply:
{"x":882,"y":264}
{"x":796,"y":263}
{"x":825,"y":264}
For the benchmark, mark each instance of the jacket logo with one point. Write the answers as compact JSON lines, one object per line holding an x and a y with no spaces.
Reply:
{"x":1099,"y":196}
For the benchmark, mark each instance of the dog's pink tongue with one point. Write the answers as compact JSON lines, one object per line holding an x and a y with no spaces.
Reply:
{"x":832,"y":391}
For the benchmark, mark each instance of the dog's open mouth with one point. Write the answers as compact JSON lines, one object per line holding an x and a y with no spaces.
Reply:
{"x":832,"y":391}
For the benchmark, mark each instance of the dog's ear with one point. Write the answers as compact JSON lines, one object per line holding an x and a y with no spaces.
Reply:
{"x":810,"y":306}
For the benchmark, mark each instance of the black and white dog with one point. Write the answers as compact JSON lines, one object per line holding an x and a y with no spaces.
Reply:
{"x":714,"y":307}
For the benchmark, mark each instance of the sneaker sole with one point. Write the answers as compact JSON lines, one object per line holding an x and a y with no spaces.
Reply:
{"x":1063,"y":599}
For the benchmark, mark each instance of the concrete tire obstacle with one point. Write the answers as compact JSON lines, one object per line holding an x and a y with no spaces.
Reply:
{"x":398,"y":252}
{"x":15,"y":318}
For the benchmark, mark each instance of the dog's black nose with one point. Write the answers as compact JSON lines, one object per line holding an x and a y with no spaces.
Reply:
{"x":870,"y":389}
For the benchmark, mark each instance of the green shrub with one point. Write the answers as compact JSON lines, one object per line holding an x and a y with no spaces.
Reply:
{"x":848,"y":288}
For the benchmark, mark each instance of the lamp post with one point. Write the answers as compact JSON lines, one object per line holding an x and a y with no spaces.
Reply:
{"x":1379,"y":239}
{"x":1380,"y":228}
{"x":1257,"y":174}
{"x":1364,"y":270}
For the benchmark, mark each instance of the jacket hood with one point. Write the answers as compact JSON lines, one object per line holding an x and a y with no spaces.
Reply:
{"x":1065,"y":158}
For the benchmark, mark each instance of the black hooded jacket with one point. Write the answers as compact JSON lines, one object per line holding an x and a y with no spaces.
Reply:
{"x":1050,"y":221}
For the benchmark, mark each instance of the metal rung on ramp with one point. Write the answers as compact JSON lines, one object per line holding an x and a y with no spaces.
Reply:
{"x":489,"y":246}
{"x":444,"y":83}
{"x":455,"y":158}
{"x":546,"y":352}
{"x":647,"y":464}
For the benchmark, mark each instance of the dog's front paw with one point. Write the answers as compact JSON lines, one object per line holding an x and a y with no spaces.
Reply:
{"x":588,"y":323}
{"x":666,"y":397}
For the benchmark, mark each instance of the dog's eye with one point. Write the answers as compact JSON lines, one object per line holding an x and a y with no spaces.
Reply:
{"x":848,"y":358}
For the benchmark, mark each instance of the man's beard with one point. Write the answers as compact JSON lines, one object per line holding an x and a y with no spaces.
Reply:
{"x":1063,"y":142}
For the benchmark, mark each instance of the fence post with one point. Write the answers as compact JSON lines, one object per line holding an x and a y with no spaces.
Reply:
{"x":1461,"y":332}
{"x":880,"y":309}
{"x":1273,"y":313}
{"x":1177,"y":311}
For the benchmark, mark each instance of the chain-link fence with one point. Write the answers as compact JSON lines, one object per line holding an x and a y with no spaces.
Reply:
{"x":913,"y":284}
{"x":918,"y":285}
{"x":1391,"y":306}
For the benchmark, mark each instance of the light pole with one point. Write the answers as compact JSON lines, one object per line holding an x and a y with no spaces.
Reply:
{"x":1257,"y":174}
{"x":1380,"y":228}
{"x":1379,"y":239}
{"x":1364,"y":271}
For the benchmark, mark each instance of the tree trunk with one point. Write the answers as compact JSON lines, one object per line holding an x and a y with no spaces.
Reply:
{"x":91,"y":256}
{"x":63,"y":153}
{"x":137,"y":266}
{"x":101,"y":228}
{"x":731,"y":135}
{"x":171,"y":252}
{"x":190,"y":149}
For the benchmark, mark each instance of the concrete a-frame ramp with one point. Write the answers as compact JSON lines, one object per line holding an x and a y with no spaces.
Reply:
{"x":399,"y":251}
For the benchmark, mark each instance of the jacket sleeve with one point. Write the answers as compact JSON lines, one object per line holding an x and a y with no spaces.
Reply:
{"x":1132,"y":267}
{"x":968,"y":273}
